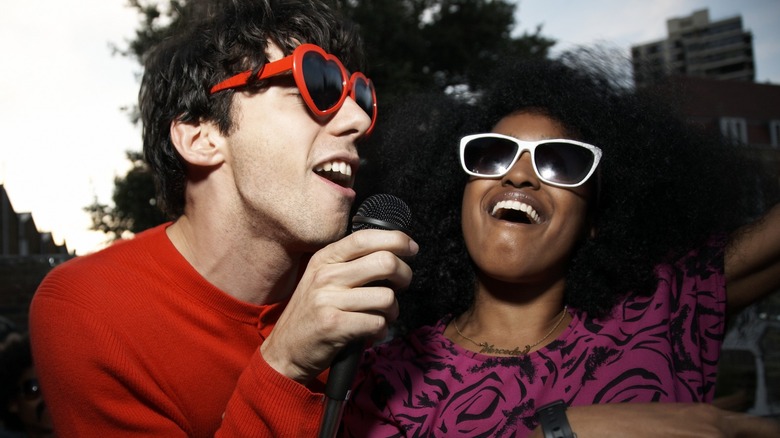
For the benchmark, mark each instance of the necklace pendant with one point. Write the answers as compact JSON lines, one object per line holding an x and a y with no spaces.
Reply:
{"x":487,"y":348}
{"x":491,"y":349}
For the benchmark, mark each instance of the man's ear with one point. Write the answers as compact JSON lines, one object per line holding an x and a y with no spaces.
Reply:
{"x":199,"y":143}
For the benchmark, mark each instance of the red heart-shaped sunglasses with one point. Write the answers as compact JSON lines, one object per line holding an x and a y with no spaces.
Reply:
{"x":321,"y":78}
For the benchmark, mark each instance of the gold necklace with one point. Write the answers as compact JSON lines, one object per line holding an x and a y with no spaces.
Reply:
{"x":491,"y":349}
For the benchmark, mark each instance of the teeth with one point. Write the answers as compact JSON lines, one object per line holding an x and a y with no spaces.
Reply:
{"x":518,"y":206}
{"x":335,"y":166}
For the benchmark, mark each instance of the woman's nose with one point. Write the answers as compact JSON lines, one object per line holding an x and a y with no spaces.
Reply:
{"x":522,"y":173}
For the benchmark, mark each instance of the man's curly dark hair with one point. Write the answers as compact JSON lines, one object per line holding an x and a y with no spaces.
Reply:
{"x":664,"y":185}
{"x":207,"y":48}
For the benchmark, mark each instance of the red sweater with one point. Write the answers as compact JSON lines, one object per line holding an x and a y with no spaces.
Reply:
{"x":132,"y":341}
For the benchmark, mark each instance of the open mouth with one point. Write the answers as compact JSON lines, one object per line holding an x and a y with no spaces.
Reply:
{"x":338,"y":172}
{"x":515,"y":211}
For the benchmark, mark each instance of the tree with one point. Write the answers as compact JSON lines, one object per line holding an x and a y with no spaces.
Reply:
{"x":413,"y":46}
{"x":135,"y":207}
{"x":419,"y":45}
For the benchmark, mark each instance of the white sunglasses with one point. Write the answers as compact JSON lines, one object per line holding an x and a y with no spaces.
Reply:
{"x":558,"y":162}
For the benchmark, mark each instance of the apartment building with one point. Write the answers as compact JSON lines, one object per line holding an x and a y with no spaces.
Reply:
{"x":696,"y":46}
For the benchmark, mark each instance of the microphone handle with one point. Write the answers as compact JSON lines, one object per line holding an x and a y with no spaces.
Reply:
{"x":338,"y":387}
{"x":340,"y":379}
{"x":342,"y":371}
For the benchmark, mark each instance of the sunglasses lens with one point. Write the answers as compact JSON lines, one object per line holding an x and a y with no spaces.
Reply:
{"x":563,"y":163}
{"x":364,"y":95}
{"x":324,"y":80}
{"x":489,"y":156}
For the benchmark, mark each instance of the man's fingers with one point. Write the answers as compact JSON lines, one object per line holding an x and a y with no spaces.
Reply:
{"x":382,"y":266}
{"x":364,"y":242}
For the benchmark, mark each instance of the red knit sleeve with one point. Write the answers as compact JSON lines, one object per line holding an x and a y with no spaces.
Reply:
{"x":267,"y":404}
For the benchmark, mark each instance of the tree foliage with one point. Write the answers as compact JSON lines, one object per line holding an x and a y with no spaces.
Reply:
{"x":412,"y":46}
{"x":420,"y":45}
{"x":135,"y":207}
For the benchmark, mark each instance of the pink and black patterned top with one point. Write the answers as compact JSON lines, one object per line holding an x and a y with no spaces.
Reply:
{"x":662,"y":348}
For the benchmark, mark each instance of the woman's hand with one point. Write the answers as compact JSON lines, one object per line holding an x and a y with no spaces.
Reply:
{"x":752,"y":261}
{"x":645,"y":420}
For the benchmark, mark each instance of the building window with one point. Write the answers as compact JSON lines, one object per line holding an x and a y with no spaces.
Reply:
{"x":734,"y":129}
{"x":774,"y":133}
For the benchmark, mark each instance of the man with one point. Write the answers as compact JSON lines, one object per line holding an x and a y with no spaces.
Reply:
{"x":255,"y":148}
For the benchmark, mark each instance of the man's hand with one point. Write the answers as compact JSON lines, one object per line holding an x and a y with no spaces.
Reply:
{"x":331,"y":305}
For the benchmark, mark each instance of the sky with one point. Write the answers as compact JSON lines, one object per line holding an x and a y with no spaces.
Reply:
{"x":632,"y":22}
{"x":62,"y":90}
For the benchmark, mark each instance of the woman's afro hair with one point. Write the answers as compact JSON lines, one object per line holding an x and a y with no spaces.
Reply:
{"x":664,"y":186}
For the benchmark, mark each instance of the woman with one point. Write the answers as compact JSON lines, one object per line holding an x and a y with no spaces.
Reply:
{"x":595,"y":270}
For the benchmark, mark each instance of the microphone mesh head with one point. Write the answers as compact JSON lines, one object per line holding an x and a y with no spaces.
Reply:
{"x":384,"y":212}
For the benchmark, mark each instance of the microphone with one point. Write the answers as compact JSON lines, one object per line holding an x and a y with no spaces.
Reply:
{"x":382,"y":212}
